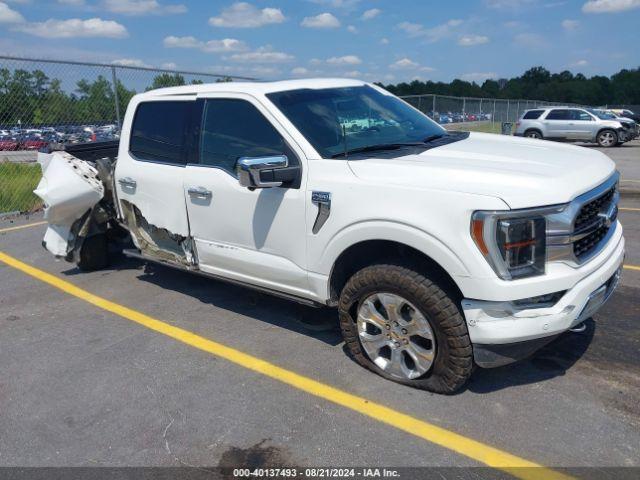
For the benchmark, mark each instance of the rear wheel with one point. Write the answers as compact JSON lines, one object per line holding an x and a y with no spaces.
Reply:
{"x":94,"y":253}
{"x":607,"y":138}
{"x":533,"y":134}
{"x":405,"y":327}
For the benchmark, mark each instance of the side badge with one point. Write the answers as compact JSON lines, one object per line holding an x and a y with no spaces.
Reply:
{"x":323,"y":200}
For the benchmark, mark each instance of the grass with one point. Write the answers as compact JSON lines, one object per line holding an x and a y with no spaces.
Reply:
{"x":17,"y":181}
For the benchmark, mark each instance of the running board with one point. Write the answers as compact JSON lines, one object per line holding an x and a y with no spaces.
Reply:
{"x":134,"y":253}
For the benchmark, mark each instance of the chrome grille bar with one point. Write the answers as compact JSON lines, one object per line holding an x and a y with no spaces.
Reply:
{"x":585,"y":225}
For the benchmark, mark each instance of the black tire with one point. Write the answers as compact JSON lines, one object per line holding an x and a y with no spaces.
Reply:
{"x":94,"y":253}
{"x":453,"y":362}
{"x":533,"y":134}
{"x":600,"y":138}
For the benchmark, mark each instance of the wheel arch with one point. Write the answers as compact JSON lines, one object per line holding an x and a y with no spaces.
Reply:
{"x":375,"y":251}
{"x":603,"y":129}
{"x":533,"y":129}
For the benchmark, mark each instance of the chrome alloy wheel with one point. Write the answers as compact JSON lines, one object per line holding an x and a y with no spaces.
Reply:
{"x":607,"y":139}
{"x":396,"y":336}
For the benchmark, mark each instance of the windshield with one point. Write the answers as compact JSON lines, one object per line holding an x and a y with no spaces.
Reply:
{"x":602,"y":115}
{"x":353,"y":118}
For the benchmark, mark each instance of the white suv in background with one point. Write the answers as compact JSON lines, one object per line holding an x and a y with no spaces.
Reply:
{"x":575,"y":124}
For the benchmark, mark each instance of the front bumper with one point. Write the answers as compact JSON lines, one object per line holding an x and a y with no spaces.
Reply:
{"x":493,"y":323}
{"x":626,"y":135}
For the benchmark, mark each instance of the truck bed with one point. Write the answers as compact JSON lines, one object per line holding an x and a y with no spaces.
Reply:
{"x":93,"y":151}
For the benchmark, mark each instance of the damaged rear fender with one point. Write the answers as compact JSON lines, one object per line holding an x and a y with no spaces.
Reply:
{"x":71,"y":190}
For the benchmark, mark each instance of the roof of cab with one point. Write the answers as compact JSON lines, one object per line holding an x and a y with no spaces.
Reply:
{"x":255,"y":87}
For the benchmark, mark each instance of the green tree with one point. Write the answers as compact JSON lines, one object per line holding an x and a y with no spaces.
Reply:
{"x":96,"y":102}
{"x":167,"y":80}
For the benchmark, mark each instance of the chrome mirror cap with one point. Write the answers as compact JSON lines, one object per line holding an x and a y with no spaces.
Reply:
{"x":249,"y":169}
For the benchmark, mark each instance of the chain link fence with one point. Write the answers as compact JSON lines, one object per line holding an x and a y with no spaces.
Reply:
{"x":478,"y":114}
{"x":45,"y":104}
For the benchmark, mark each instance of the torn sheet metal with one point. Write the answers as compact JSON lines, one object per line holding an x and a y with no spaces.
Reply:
{"x":156,"y":242}
{"x":70,"y":188}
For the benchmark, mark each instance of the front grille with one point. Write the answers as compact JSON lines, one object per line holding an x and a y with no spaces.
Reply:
{"x":589,"y":212}
{"x":585,"y":245}
{"x":588,"y":218}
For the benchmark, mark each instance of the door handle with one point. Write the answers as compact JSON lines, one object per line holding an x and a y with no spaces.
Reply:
{"x":199,"y":192}
{"x":127,"y":182}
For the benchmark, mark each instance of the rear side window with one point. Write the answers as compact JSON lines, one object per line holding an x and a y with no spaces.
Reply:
{"x":532,"y":114}
{"x":158,"y":132}
{"x":558,"y":114}
{"x":234,"y":128}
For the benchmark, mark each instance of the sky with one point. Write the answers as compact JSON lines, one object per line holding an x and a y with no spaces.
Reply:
{"x":376,"y":40}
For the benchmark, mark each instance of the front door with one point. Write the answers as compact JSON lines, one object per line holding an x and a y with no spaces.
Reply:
{"x":583,"y":125}
{"x":254,"y":236}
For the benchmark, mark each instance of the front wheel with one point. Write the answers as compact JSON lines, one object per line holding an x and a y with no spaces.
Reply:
{"x":607,"y":138}
{"x":406,"y":328}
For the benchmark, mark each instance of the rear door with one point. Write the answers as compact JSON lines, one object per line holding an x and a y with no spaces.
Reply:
{"x":557,"y":123}
{"x":149,"y":176}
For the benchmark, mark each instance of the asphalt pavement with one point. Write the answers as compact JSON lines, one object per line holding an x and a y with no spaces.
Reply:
{"x":84,"y":386}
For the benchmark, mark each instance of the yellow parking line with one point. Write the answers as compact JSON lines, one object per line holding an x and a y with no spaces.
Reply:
{"x":468,"y":447}
{"x":631,"y":267}
{"x":20,"y":227}
{"x":629,"y":209}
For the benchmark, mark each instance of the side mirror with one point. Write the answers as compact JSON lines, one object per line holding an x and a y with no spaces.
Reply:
{"x":250,"y":169}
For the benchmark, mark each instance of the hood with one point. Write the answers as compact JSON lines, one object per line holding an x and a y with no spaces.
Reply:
{"x":626,"y":119}
{"x":617,"y":123}
{"x":522,"y":172}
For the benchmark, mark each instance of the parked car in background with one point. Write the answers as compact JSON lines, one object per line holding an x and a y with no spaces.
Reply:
{"x":34,"y":142}
{"x":619,"y":116}
{"x":8,"y":144}
{"x":574,"y":125}
{"x":626,"y":114}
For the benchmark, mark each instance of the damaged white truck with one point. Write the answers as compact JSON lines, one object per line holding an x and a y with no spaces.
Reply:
{"x":440,"y":250}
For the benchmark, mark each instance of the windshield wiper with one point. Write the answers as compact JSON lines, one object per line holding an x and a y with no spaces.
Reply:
{"x":373,"y":148}
{"x":430,"y":138}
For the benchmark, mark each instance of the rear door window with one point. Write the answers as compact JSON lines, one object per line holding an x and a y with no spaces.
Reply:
{"x":159,"y":131}
{"x":558,"y":114}
{"x":532,"y":114}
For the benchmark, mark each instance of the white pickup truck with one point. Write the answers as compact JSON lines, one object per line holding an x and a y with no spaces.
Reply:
{"x":440,"y":250}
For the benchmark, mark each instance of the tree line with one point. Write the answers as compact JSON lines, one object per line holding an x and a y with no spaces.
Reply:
{"x":538,"y":83}
{"x":33,"y":98}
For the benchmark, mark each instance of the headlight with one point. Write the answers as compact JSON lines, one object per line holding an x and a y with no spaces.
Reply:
{"x":514,"y":243}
